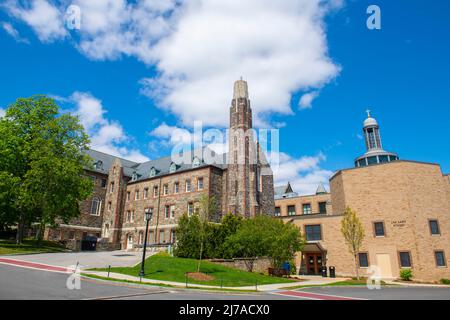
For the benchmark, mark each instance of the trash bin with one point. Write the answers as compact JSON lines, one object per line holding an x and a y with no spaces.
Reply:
{"x":332,"y":272}
{"x":324,"y":272}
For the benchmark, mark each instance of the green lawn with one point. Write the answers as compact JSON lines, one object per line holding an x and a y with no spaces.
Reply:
{"x":28,"y":246}
{"x":164,"y":267}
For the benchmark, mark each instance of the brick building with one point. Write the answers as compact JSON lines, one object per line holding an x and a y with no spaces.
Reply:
{"x":241,"y":182}
{"x":404,"y":207}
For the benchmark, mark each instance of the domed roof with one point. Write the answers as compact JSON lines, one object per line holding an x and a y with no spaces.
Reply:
{"x":370,"y":122}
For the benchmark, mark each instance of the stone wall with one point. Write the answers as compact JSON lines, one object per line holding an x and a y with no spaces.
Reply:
{"x":261,"y":265}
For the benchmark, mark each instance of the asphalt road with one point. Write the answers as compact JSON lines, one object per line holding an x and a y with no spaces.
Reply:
{"x":18,"y":283}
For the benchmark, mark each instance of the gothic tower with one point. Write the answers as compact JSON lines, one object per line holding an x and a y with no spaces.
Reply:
{"x":244,"y":184}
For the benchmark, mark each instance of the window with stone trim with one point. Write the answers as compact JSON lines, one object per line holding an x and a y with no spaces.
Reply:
{"x":440,"y":258}
{"x":313,"y":232}
{"x":176,"y":187}
{"x":405,"y":259}
{"x":172,"y":211}
{"x":363,"y":259}
{"x":291,"y":210}
{"x":136,"y":195}
{"x":200,"y":184}
{"x":166,"y":189}
{"x":190,"y":209}
{"x":111,"y":187}
{"x":167,"y":211}
{"x":277,"y":211}
{"x":434,"y":227}
{"x":155,"y":191}
{"x":145,"y":193}
{"x":188,"y":186}
{"x":379,"y":229}
{"x":307,"y":208}
{"x":96,"y":206}
{"x":322,"y":207}
{"x":128,"y":195}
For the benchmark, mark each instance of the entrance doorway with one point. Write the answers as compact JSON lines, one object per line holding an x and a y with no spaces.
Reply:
{"x":384,"y":263}
{"x":314,"y":262}
{"x":130,"y":241}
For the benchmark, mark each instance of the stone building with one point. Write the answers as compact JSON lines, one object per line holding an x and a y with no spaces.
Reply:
{"x":241,"y":181}
{"x":404,"y":207}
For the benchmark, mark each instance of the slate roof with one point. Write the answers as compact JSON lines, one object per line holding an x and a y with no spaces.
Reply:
{"x":161,"y":165}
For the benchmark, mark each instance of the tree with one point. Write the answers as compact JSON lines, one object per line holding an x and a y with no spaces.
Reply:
{"x":287,"y":241}
{"x":208,"y":207}
{"x":188,"y":237}
{"x":353,"y":232}
{"x":43,"y":160}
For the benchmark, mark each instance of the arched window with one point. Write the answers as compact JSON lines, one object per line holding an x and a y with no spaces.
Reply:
{"x":196,"y":162}
{"x":173,"y":167}
{"x":98,"y":165}
{"x":134,"y":176}
{"x":152,"y":172}
{"x":96,"y":206}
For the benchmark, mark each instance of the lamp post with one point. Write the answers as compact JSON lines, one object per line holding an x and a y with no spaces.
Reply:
{"x":148,"y":217}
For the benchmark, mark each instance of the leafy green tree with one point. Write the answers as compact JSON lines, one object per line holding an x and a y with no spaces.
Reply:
{"x":43,"y":160}
{"x":188,"y":237}
{"x":229,"y":226}
{"x":265,"y":236}
{"x":353,"y":232}
{"x":208,"y":207}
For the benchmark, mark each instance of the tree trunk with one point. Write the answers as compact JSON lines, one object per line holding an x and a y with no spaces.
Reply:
{"x":356,"y":267}
{"x":40,"y":233}
{"x":200,"y":260}
{"x":19,"y":233}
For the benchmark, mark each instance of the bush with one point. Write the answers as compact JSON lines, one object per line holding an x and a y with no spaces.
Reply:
{"x":406,"y":274}
{"x":445,"y":281}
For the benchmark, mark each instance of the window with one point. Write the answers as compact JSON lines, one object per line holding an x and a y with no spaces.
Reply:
{"x":145,"y":193}
{"x":372,"y":160}
{"x":111,"y":188}
{"x":141,"y":238}
{"x":200,"y":184}
{"x":166,"y":189}
{"x":103,"y":183}
{"x":71,"y":235}
{"x":363,"y":260}
{"x":434,"y":227}
{"x":162,"y":238}
{"x":307,"y":208}
{"x":167,"y":212}
{"x":440,"y":258}
{"x":379,"y":229}
{"x":155,"y":191}
{"x":132,"y":216}
{"x":128,"y":195}
{"x":95,"y":206}
{"x":128,"y":217}
{"x":152,"y":237}
{"x":152,"y":172}
{"x":98,"y":165}
{"x":173,"y":168}
{"x":172,"y":211}
{"x":405,"y":259}
{"x":173,"y":236}
{"x":322,"y":207}
{"x":313,"y":232}
{"x":188,"y":185}
{"x":196,"y":162}
{"x":277,"y":211}
{"x":176,"y":187}
{"x":109,"y":206}
{"x":291,"y":210}
{"x":190,"y":209}
{"x":136,"y":195}
{"x":134,"y":177}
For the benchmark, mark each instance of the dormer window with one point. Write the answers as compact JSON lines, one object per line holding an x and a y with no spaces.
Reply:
{"x":134,"y":177}
{"x":173,"y":167}
{"x":195,"y":162}
{"x":98,"y":165}
{"x":152,"y":172}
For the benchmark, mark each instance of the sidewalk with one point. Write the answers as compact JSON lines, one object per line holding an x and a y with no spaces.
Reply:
{"x":306,"y":281}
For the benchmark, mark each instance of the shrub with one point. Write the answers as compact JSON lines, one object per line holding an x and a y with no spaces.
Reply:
{"x":406,"y":274}
{"x":445,"y":281}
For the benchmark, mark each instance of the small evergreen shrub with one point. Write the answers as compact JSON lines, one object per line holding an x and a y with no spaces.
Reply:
{"x":406,"y":274}
{"x":445,"y":281}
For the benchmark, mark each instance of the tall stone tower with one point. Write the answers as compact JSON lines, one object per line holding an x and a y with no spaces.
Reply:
{"x":245,"y":187}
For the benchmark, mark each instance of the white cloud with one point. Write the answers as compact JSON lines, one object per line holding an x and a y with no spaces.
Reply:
{"x":106,"y":135}
{"x":199,"y":47}
{"x":2,"y":112}
{"x":304,"y":173}
{"x":307,"y":99}
{"x":9,"y":28}
{"x":42,"y":16}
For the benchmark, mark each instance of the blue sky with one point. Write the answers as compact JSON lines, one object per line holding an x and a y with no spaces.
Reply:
{"x":399,"y":72}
